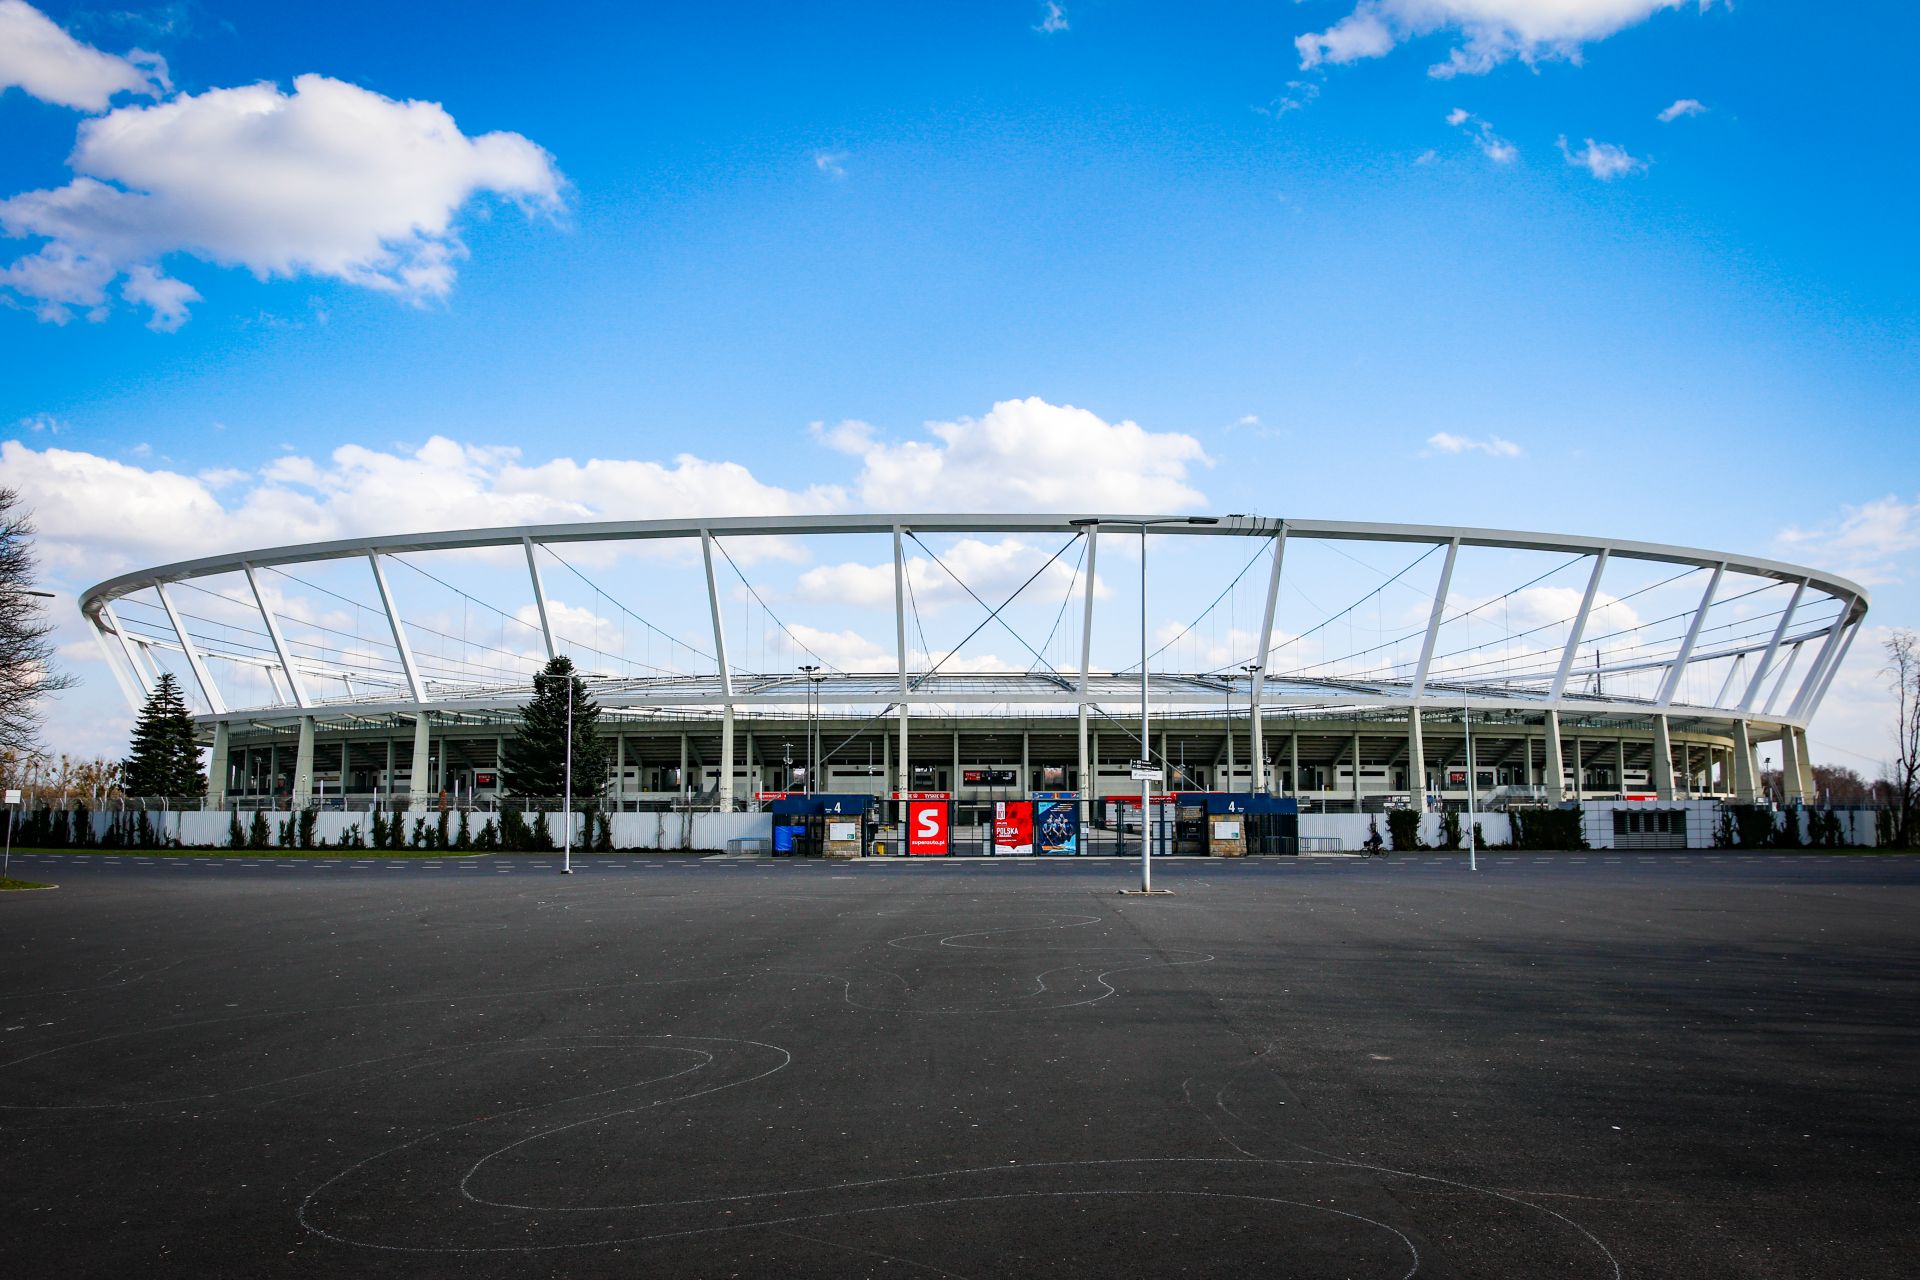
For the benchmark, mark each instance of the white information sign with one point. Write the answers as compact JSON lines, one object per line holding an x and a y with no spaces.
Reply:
{"x":13,"y":795}
{"x":1149,"y":775}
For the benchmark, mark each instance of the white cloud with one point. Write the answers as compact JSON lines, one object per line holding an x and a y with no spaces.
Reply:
{"x":1053,"y":18}
{"x":1493,"y":446}
{"x":1029,"y":455}
{"x":1492,"y":145}
{"x":43,"y":422}
{"x":1602,"y":159}
{"x":99,"y":515}
{"x":1681,"y":108}
{"x":831,"y":163}
{"x":155,"y":515}
{"x":846,"y":649}
{"x":40,"y":58}
{"x":847,"y":436}
{"x":1866,"y":543}
{"x":1491,"y":31}
{"x":330,"y":180}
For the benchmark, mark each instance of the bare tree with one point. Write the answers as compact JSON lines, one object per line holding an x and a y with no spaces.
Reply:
{"x":1903,"y":783}
{"x":26,"y":651}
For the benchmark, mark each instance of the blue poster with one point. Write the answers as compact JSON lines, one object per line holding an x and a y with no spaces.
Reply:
{"x":1056,"y":826}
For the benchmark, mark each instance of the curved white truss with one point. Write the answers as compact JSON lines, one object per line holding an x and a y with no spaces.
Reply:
{"x":1794,"y":650}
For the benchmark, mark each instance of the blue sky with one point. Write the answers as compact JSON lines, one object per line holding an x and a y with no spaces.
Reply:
{"x":1513,"y":295}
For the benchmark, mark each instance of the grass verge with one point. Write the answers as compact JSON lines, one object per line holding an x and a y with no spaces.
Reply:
{"x":8,"y":884}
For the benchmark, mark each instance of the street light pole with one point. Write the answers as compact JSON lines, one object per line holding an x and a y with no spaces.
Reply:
{"x":1146,"y":753}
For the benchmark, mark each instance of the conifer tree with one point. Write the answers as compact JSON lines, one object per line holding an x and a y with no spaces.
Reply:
{"x":165,"y":759}
{"x":536,"y":756}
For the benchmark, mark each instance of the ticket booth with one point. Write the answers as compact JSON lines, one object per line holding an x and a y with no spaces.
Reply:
{"x":1239,"y":824}
{"x":823,"y":825}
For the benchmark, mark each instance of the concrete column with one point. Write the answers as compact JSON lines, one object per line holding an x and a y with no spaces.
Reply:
{"x":953,"y":783}
{"x":1805,"y":758}
{"x":440,"y":768}
{"x":273,"y":770}
{"x":1356,"y":773}
{"x":1662,"y":759}
{"x":905,"y":774}
{"x":1026,"y":763}
{"x":1579,"y":769}
{"x":619,"y":769}
{"x":1093,"y":765}
{"x":1746,"y":771}
{"x":1086,"y":776}
{"x":219,"y":776}
{"x":422,"y":753}
{"x":1416,"y":761}
{"x":1256,"y":751}
{"x":303,"y":766}
{"x":386,"y":776}
{"x":1293,"y":760}
{"x":1556,"y":762}
{"x":1620,"y":765}
{"x":726,"y":758}
{"x":680,"y":778}
{"x":1227,"y":784}
{"x":886,"y":762}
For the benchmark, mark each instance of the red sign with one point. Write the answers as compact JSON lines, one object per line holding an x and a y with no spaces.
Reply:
{"x":775,"y":795}
{"x":923,"y":795}
{"x":926,"y":828}
{"x":1013,"y":828}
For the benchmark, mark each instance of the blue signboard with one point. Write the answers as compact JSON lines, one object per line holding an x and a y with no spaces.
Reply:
{"x":1056,"y":826}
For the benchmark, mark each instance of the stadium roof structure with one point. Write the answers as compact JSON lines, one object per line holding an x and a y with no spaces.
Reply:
{"x":1767,"y":635}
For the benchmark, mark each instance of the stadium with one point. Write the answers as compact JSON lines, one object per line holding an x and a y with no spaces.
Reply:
{"x":1343,"y":668}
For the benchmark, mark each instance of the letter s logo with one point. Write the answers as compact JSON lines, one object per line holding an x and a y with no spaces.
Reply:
{"x":929,"y":824}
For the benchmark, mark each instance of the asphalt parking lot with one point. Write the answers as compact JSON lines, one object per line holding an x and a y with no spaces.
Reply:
{"x":1560,"y":1065}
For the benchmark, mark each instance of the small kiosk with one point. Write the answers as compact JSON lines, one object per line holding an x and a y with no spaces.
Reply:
{"x":1239,"y":823}
{"x":823,"y":825}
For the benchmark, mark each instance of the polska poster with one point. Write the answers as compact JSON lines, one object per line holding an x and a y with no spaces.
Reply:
{"x":1013,"y":828}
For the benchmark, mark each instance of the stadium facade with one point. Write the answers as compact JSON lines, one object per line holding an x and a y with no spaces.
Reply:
{"x":1565,"y":710}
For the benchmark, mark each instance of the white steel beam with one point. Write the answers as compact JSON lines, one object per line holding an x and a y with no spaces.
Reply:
{"x":299,"y":689}
{"x":1798,"y":709}
{"x":1433,"y":622}
{"x":1257,"y":747}
{"x":1793,"y":656}
{"x":540,"y":595}
{"x":1092,"y":532}
{"x":399,"y":630}
{"x":1671,"y":685}
{"x":1733,"y":678}
{"x":119,"y":676}
{"x":900,"y":604}
{"x":126,"y":647}
{"x":1579,"y":631}
{"x":208,"y":690}
{"x":1827,"y":679}
{"x":1773,"y":647}
{"x":719,"y":626}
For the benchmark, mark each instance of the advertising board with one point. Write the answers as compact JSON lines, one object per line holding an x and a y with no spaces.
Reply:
{"x":927,"y":829}
{"x":1056,"y":826}
{"x":1013,"y":828}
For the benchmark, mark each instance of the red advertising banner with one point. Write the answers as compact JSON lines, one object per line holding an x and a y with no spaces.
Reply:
{"x":1013,"y":828}
{"x":926,"y":829}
